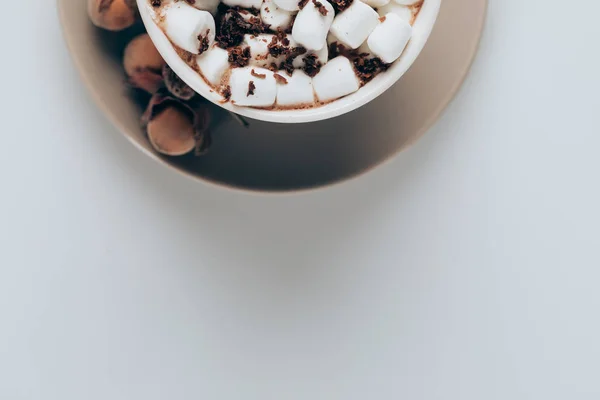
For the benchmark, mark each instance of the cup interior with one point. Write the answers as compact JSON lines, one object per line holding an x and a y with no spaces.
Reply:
{"x":422,"y":28}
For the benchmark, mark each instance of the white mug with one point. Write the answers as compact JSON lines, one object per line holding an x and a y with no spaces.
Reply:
{"x":422,"y":28}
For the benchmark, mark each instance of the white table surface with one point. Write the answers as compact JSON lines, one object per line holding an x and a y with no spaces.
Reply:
{"x":465,"y":269}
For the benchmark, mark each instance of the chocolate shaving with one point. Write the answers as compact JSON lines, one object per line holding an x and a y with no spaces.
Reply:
{"x":232,"y":26}
{"x":312,"y":65}
{"x":365,"y":66}
{"x":251,"y":88}
{"x":340,"y":5}
{"x":382,"y":19}
{"x":280,"y":79}
{"x":368,"y":68}
{"x":275,"y":49}
{"x":302,"y":3}
{"x":322,"y":9}
{"x":282,"y":37}
{"x":288,"y":63}
{"x":204,"y":42}
{"x":239,"y":57}
{"x":257,"y":75}
{"x":279,"y":45}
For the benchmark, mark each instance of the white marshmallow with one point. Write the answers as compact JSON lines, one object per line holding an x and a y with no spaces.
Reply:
{"x":207,"y":5}
{"x":407,"y":2}
{"x":274,"y":16}
{"x":376,"y":3}
{"x":243,"y":3}
{"x":265,"y":89}
{"x":336,"y":79}
{"x":184,"y":23}
{"x":353,"y":25}
{"x":259,"y":50}
{"x":322,"y":56}
{"x":390,"y":38}
{"x":297,"y":92}
{"x":402,"y":11}
{"x":311,"y":27}
{"x":288,"y":5}
{"x":213,"y":63}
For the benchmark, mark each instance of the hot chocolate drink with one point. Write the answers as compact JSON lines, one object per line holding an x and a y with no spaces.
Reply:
{"x":287,"y":54}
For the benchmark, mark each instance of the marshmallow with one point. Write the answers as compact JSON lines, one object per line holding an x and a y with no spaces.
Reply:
{"x":336,"y":79}
{"x":376,"y":3}
{"x":390,"y":38}
{"x":260,"y":56}
{"x":274,"y":16}
{"x":243,"y":3}
{"x":259,"y":50}
{"x":213,"y":63}
{"x":353,"y":25}
{"x":322,"y":56}
{"x":184,"y":24}
{"x":264,"y":90}
{"x":402,"y":11}
{"x":288,"y":5}
{"x":297,"y":91}
{"x":206,"y":5}
{"x":311,"y":27}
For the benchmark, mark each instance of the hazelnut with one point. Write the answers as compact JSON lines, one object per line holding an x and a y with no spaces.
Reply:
{"x":171,"y":131}
{"x":113,"y":15}
{"x":175,"y":127}
{"x":143,"y":64}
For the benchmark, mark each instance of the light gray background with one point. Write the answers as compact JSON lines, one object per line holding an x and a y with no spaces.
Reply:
{"x":465,"y":269}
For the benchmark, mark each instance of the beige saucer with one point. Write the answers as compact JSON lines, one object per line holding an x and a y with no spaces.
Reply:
{"x":278,"y":157}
